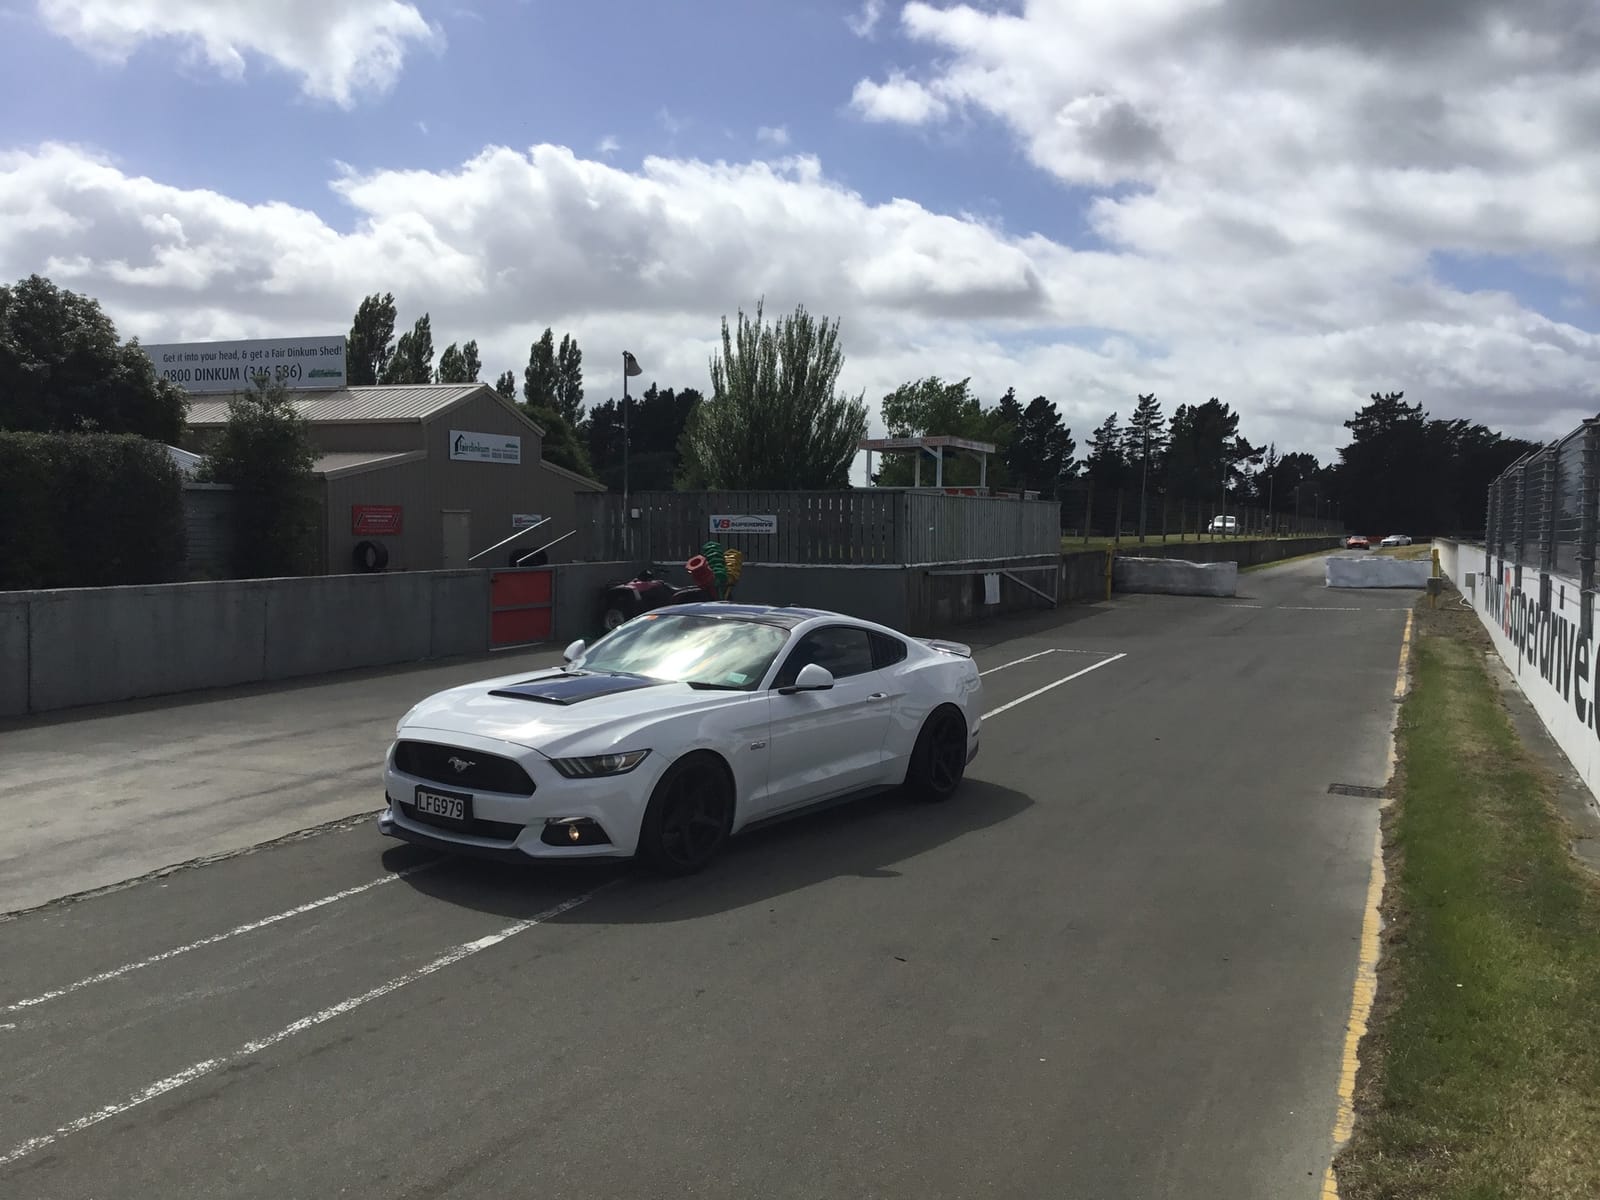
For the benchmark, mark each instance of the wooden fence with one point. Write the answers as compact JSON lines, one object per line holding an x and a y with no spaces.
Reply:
{"x":865,"y":526}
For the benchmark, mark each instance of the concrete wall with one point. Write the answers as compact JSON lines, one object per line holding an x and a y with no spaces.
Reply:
{"x":1376,"y":571}
{"x":1174,"y":577}
{"x":873,"y":593}
{"x":72,"y":647}
{"x":1245,"y":553}
{"x":1556,"y":668}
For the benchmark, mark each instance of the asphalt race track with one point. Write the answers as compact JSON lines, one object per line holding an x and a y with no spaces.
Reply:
{"x":1118,"y":964}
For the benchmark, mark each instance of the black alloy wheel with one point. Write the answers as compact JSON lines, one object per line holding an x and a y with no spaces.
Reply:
{"x":689,"y":818}
{"x":939,"y":761}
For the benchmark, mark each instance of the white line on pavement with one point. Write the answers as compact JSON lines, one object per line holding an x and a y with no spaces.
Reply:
{"x":1017,"y":662}
{"x":189,"y":1074}
{"x":1104,"y":662}
{"x":251,"y":927}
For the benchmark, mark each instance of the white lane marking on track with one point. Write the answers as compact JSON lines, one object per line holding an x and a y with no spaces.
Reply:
{"x":1017,"y":662}
{"x":250,"y":927}
{"x":189,"y":1074}
{"x":1037,"y":692}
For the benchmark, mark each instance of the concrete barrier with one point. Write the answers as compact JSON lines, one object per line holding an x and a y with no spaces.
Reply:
{"x":1174,"y":577}
{"x":96,"y":645}
{"x":872,"y":593}
{"x":1377,"y":571}
{"x":13,"y":656}
{"x":1252,"y":553}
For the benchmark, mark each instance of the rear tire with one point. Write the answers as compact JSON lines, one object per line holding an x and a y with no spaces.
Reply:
{"x":621,"y":604}
{"x":939,"y":759}
{"x":689,"y":818}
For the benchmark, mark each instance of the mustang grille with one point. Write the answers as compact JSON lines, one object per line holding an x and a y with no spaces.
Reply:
{"x":483,"y":772}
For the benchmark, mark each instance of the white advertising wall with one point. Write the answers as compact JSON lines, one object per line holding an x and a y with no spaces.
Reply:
{"x":1555,"y":667}
{"x":299,"y":363}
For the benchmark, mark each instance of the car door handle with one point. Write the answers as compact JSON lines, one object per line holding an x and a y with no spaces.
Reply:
{"x":878,"y":696}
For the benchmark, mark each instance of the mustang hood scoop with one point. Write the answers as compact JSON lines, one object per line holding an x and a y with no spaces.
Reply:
{"x":573,"y":688}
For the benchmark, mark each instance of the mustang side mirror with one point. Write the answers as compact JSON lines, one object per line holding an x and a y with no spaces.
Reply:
{"x":574,"y":651}
{"x":812,"y":678}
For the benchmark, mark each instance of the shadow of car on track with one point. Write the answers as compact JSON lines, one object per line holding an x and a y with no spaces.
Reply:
{"x":861,"y":839}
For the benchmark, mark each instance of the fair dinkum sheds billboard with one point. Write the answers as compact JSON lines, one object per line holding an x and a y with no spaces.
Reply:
{"x":300,"y":364}
{"x":1546,"y":640}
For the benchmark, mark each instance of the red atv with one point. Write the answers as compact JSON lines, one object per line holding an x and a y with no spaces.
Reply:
{"x":646,"y":590}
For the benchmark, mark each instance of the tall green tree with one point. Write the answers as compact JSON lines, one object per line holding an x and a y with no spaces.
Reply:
{"x":569,"y":381}
{"x":1206,"y":456}
{"x":470,"y":359}
{"x":452,"y":366}
{"x":931,"y":407}
{"x":506,"y":385}
{"x":265,"y":452}
{"x":1106,"y":465}
{"x":541,"y":378}
{"x":63,"y":369}
{"x":412,"y":360}
{"x":1039,"y":449}
{"x":371,"y":340}
{"x":774,"y":418}
{"x":656,"y":422}
{"x":1145,"y":441}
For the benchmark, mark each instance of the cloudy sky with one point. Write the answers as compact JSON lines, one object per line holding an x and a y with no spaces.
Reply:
{"x":1287,"y":204}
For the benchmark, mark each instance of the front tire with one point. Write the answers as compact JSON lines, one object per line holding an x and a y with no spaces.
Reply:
{"x":689,"y":818}
{"x":939,"y":759}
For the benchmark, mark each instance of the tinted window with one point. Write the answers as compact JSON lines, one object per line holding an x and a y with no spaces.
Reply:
{"x":843,"y":651}
{"x":886,"y":651}
{"x":702,"y":650}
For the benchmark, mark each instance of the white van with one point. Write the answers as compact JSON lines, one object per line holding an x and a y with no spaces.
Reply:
{"x":1221,"y":524}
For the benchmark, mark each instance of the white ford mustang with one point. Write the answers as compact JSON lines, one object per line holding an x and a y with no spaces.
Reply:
{"x":677,"y":730}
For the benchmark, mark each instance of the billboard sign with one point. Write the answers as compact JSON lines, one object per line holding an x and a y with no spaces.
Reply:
{"x":301,"y":364}
{"x":744,"y":523}
{"x":466,"y":446}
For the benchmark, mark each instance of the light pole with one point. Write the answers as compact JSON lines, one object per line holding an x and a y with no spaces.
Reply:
{"x":630,"y":367}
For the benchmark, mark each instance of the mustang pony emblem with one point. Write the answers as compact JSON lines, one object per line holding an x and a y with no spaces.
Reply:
{"x":460,"y":764}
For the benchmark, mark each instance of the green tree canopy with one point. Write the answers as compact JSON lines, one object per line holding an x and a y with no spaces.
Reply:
{"x":506,"y":385}
{"x":62,"y":369}
{"x":265,"y":451}
{"x":930,"y":407}
{"x":774,"y":418}
{"x":541,"y":378}
{"x":569,"y":381}
{"x":452,"y":366}
{"x":412,"y":360}
{"x":656,"y":422}
{"x":371,"y":340}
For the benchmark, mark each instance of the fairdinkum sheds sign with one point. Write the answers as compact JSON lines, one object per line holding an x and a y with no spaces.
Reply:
{"x":300,"y":364}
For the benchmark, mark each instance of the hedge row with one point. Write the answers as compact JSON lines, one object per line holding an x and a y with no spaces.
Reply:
{"x":88,"y":510}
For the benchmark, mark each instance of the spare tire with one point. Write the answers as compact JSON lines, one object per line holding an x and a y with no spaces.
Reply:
{"x":371,"y":556}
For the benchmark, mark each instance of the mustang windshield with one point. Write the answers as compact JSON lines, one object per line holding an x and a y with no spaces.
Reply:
{"x":705,"y":651}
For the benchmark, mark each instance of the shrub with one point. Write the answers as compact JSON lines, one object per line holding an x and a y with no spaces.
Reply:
{"x":88,"y":510}
{"x":265,"y":452}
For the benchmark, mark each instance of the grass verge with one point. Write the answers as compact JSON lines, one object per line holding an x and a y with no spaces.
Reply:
{"x":1480,"y":1075}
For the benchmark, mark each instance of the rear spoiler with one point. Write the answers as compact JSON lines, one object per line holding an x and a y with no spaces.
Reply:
{"x":955,"y":648}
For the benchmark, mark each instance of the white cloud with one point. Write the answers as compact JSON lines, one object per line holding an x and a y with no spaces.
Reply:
{"x":339,"y":49}
{"x":773,"y":135}
{"x":864,"y":21}
{"x":510,"y":242}
{"x":900,"y":99}
{"x":608,"y":146}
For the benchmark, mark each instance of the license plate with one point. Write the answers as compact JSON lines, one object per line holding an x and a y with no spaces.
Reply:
{"x":451,"y":806}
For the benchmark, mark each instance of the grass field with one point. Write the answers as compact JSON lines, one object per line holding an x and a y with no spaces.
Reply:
{"x":1480,"y":1077}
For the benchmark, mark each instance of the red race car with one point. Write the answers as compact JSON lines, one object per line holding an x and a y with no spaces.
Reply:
{"x":1357,"y":542}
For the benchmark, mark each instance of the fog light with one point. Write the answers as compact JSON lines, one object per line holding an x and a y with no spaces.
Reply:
{"x":573,"y":831}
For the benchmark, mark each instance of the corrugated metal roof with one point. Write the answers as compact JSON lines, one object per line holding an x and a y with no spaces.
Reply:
{"x":384,"y":402}
{"x":348,"y":460}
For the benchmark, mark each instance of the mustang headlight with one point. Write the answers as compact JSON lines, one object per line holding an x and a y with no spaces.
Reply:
{"x":599,"y":764}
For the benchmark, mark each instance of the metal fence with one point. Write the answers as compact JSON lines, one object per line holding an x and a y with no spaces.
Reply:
{"x":860,"y":526}
{"x":1542,"y":516}
{"x":1103,"y":515}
